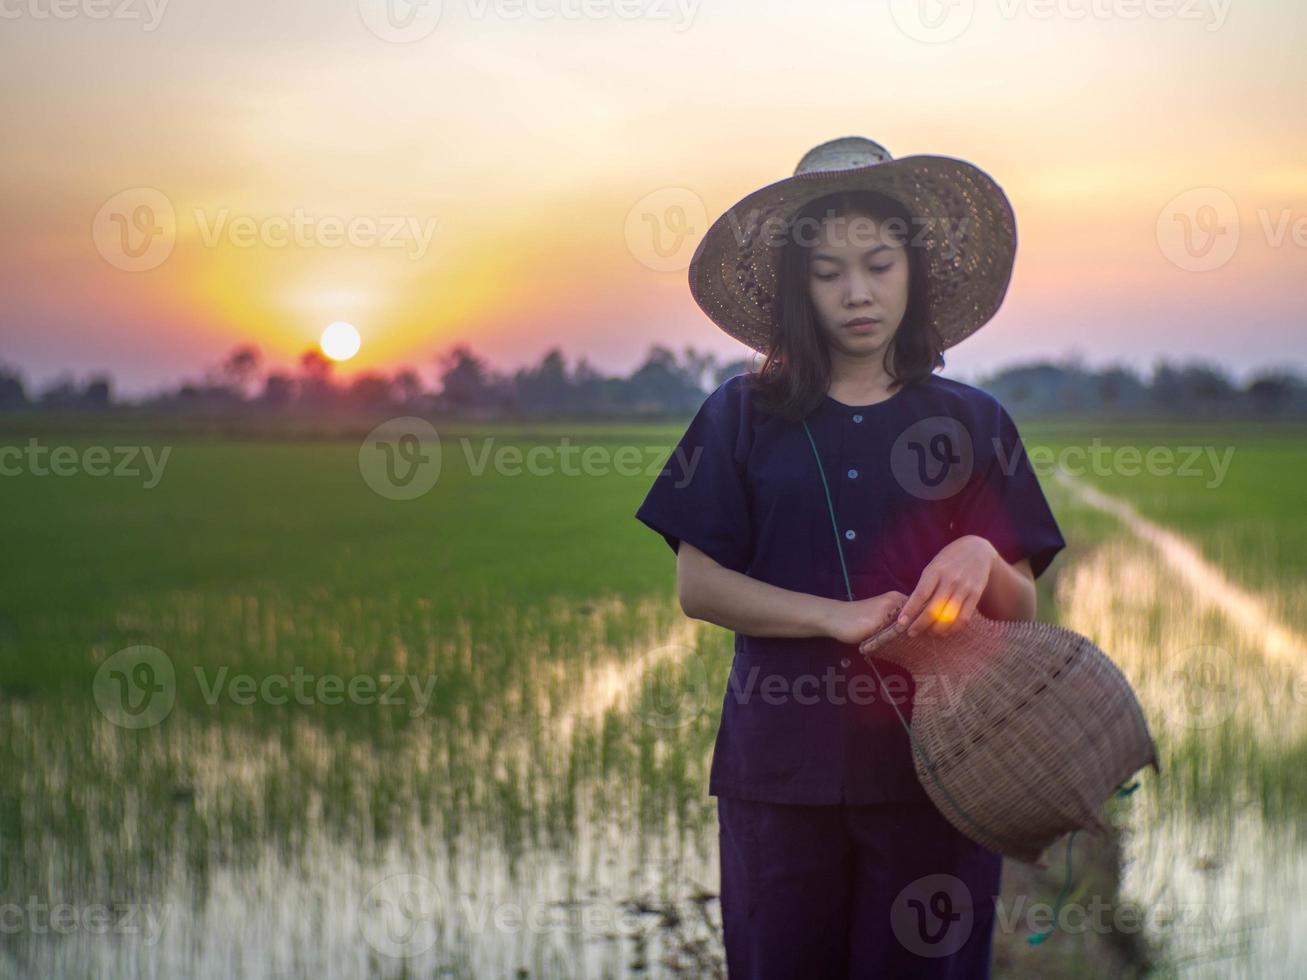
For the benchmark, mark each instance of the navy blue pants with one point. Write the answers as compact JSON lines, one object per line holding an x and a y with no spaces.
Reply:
{"x":887,"y":890}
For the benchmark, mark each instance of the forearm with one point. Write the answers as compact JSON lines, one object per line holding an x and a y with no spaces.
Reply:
{"x":1010,"y":593}
{"x":746,"y":605}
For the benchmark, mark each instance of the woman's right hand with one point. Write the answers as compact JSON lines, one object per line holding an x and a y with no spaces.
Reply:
{"x":853,"y":622}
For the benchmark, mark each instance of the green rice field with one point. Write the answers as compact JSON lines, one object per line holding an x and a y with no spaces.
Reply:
{"x":263,"y":719}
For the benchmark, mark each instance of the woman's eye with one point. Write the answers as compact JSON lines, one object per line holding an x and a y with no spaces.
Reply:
{"x":882,"y":268}
{"x":826,"y":276}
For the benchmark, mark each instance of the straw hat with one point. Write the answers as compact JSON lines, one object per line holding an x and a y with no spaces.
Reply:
{"x":961,"y":217}
{"x":1023,"y":732}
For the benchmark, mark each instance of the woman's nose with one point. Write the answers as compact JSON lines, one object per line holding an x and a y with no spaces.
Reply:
{"x":859,"y":289}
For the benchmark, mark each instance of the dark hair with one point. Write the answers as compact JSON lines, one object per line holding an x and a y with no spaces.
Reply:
{"x":796,"y":373}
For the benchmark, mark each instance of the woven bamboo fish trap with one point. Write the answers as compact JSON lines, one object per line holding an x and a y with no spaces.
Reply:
{"x":1023,"y":732}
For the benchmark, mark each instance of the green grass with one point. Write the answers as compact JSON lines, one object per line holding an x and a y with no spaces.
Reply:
{"x":260,"y":556}
{"x":1250,"y":519}
{"x":297,"y":522}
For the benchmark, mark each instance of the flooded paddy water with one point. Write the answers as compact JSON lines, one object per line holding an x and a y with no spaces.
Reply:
{"x":306,"y":768}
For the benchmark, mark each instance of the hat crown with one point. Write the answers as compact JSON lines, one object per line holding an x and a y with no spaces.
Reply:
{"x":844,"y":153}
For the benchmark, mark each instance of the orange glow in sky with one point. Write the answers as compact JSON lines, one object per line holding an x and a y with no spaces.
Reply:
{"x":522,"y":183}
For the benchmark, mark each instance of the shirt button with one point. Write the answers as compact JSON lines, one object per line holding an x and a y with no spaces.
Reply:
{"x":857,"y":418}
{"x":850,"y":534}
{"x":844,"y":661}
{"x":853,"y":474}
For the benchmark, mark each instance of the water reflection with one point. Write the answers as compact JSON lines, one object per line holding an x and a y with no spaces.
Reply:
{"x":543,"y":815}
{"x":1215,"y":849}
{"x":542,"y":811}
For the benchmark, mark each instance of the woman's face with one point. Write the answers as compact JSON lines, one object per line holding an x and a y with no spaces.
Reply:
{"x":858,"y":270}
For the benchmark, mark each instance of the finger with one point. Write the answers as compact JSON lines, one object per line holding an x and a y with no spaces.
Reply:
{"x":888,"y":610}
{"x":880,"y":638}
{"x":966,"y":598}
{"x":948,"y":603}
{"x":968,"y":610}
{"x":888,"y":628}
{"x":914,"y":603}
{"x":918,"y":612}
{"x":946,"y":614}
{"x":932,"y":617}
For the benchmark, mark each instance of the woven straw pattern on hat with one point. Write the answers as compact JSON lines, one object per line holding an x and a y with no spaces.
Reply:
{"x":961,"y":217}
{"x":1030,"y":729}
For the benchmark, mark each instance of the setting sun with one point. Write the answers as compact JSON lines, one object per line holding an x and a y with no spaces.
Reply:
{"x":340,"y":341}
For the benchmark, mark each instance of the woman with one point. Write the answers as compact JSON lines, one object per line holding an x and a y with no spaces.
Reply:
{"x":846,"y":455}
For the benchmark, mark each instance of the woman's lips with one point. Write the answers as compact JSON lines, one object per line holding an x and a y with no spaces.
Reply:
{"x":863,"y":326}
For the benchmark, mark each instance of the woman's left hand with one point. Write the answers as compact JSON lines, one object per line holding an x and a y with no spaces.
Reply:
{"x":950,"y":587}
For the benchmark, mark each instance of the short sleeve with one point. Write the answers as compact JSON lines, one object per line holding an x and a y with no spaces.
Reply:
{"x":1004,"y":503}
{"x":699,"y":496}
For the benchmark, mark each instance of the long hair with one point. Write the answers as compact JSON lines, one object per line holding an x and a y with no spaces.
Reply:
{"x":796,"y":372}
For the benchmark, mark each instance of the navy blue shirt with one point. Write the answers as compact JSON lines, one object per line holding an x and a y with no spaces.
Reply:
{"x":803,"y":718}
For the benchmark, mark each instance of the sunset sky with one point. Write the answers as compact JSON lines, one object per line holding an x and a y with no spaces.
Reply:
{"x":519,"y":155}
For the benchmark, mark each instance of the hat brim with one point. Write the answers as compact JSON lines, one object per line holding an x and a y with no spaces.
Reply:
{"x":962,"y":219}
